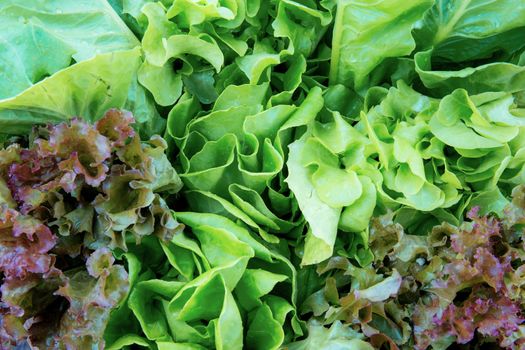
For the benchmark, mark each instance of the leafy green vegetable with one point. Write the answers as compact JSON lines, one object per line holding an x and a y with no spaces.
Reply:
{"x":497,"y":76}
{"x":204,"y":305}
{"x":387,"y":24}
{"x":88,"y":89}
{"x":58,"y":31}
{"x":323,"y":228}
{"x":482,"y":26}
{"x":329,"y":150}
{"x":337,"y":337}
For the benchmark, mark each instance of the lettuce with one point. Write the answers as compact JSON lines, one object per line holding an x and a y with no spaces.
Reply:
{"x":311,"y":187}
{"x":388,"y":25}
{"x":91,"y":65}
{"x":213,"y":286}
{"x":449,"y":287}
{"x":73,"y":193}
{"x":450,"y":26}
{"x":336,"y":337}
{"x":32,"y":30}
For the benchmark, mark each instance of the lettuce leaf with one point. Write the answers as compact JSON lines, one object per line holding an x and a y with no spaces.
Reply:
{"x":452,"y":26}
{"x":39,"y":39}
{"x":223,"y":303}
{"x":87,"y":89}
{"x":329,"y":152}
{"x":456,"y":285}
{"x":388,"y":24}
{"x":75,"y":191}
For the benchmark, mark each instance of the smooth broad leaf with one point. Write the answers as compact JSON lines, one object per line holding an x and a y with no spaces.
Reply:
{"x":358,"y":23}
{"x":490,"y":201}
{"x":229,"y":327}
{"x":201,"y":201}
{"x":343,"y":100}
{"x":241,"y":95}
{"x":321,"y":218}
{"x":122,"y":322}
{"x":338,"y":136}
{"x":37,"y":39}
{"x":201,"y":85}
{"x":143,"y":106}
{"x":133,"y":7}
{"x":497,"y":76}
{"x":129,"y":340}
{"x":164,"y":85}
{"x":179,"y":117}
{"x":474,"y":29}
{"x":256,"y":64}
{"x":221,"y":222}
{"x":181,"y":259}
{"x":355,"y":217}
{"x":252,"y":203}
{"x":347,"y":190}
{"x":87,"y":89}
{"x":264,"y":332}
{"x":201,"y":299}
{"x":222,"y":248}
{"x":254,"y":284}
{"x":161,"y":345}
{"x":205,"y":298}
{"x":146,"y":303}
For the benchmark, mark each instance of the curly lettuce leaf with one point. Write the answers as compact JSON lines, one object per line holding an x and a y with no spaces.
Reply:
{"x":337,"y":337}
{"x":237,"y":150}
{"x":323,"y":219}
{"x":76,"y":190}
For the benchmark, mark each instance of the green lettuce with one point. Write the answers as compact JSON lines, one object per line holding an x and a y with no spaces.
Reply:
{"x":39,"y":39}
{"x":63,"y":59}
{"x":387,"y":24}
{"x":497,"y":76}
{"x":237,"y":152}
{"x":482,"y":26}
{"x":214,"y":286}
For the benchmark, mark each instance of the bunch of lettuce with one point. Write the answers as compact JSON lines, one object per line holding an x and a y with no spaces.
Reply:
{"x":432,"y":158}
{"x":405,"y":121}
{"x":457,"y":285}
{"x":74,"y":191}
{"x":294,"y":125}
{"x":276,"y":103}
{"x":213,"y":286}
{"x":61,"y":59}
